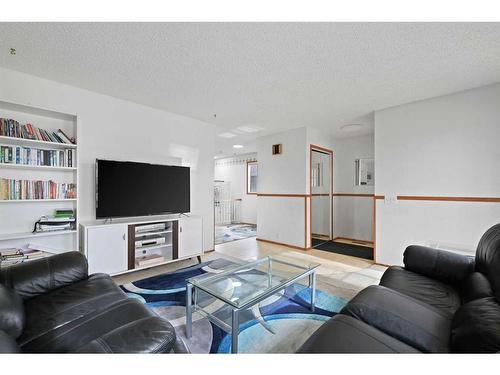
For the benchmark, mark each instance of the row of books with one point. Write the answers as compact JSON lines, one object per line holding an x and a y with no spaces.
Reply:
{"x":33,"y":156}
{"x":12,"y":128}
{"x":14,"y":256}
{"x":26,"y":189}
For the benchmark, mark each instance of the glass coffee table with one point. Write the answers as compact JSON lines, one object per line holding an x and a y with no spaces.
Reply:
{"x":241,"y":287}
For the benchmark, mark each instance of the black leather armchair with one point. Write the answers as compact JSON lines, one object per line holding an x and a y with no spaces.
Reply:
{"x":52,"y":305}
{"x":438,"y":302}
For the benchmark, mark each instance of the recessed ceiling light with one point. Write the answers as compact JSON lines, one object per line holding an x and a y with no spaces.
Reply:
{"x":351,"y":127}
{"x":227,"y":135}
{"x":249,"y":129}
{"x":237,"y":146}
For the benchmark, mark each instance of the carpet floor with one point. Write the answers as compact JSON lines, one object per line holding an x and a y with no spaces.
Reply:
{"x":343,"y":248}
{"x":233,"y":232}
{"x":279,"y":324}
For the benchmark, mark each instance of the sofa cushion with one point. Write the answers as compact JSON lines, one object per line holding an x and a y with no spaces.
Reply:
{"x":488,"y":258}
{"x":344,"y":334}
{"x":60,"y":307}
{"x":110,"y":330}
{"x":433,"y":292}
{"x":407,"y":319}
{"x":12,"y":316}
{"x":474,"y":287}
{"x":8,"y":343}
{"x":476,"y":327}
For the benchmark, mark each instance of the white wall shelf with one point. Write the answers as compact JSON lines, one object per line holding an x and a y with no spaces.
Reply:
{"x":19,"y":216}
{"x":36,"y":200}
{"x":33,"y":143}
{"x":15,"y":236}
{"x":36,"y":167}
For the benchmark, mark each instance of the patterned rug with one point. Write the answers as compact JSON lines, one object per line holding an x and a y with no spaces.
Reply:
{"x":279,"y":324}
{"x":233,"y":232}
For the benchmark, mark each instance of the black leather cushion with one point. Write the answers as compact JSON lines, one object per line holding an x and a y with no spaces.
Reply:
{"x":11,"y":312}
{"x":343,"y":334}
{"x":61,"y":307}
{"x":433,"y":292}
{"x":148,"y":335}
{"x":7,"y":343}
{"x":488,"y":258}
{"x":114,"y":328}
{"x":43,"y":275}
{"x":407,"y":319}
{"x":445,"y":266}
{"x":476,"y":327}
{"x":474,"y":287}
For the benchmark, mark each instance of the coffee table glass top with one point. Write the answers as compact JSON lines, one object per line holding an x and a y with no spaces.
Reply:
{"x":241,"y":285}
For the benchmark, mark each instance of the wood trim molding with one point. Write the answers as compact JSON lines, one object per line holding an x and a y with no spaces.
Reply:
{"x":379,"y":197}
{"x":448,"y":199}
{"x":283,"y":244}
{"x":283,"y":195}
{"x":354,"y":239}
{"x":353,"y":195}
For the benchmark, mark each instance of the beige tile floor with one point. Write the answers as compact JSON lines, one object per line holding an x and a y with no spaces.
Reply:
{"x":340,"y":275}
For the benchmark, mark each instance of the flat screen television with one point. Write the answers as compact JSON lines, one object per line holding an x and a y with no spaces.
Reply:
{"x":140,"y":189}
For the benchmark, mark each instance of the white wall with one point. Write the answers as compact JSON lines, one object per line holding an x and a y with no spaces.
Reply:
{"x":111,"y":128}
{"x":282,"y":219}
{"x":353,"y":216}
{"x":445,"y":146}
{"x":234,"y":170}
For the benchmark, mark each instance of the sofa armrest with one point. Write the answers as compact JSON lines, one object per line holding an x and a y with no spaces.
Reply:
{"x":7,"y":343}
{"x":441,"y":265}
{"x":148,"y":335}
{"x":40,"y":276}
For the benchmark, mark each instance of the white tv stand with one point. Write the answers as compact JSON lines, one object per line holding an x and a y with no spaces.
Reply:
{"x":125,"y":245}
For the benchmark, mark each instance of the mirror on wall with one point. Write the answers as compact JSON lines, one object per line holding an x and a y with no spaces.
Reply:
{"x":365,"y":172}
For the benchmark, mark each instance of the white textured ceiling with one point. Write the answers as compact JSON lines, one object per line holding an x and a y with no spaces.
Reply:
{"x":273,"y":76}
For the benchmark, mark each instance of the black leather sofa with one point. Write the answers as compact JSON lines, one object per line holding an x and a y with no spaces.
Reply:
{"x":440,"y":302}
{"x":52,"y":305}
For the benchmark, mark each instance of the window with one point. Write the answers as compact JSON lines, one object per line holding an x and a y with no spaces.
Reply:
{"x":252,"y":174}
{"x":364,"y":173}
{"x":317,"y":175}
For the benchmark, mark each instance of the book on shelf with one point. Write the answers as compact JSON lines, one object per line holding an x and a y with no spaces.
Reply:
{"x":20,"y":155}
{"x":12,"y":128}
{"x":30,"y":189}
{"x":13,"y":256}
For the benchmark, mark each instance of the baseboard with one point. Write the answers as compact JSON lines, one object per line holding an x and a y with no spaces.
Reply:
{"x":353,"y":239}
{"x":284,"y":244}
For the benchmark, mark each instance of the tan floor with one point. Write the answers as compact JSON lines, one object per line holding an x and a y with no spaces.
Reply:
{"x":340,"y":275}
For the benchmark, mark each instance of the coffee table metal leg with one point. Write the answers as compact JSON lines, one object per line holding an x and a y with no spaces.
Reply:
{"x":235,"y":330}
{"x":189,"y":310}
{"x":313,"y":290}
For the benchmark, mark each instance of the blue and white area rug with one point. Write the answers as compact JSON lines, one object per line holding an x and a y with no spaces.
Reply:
{"x":279,"y":324}
{"x":234,"y":232}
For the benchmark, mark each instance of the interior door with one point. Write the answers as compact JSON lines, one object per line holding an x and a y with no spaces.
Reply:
{"x":107,"y":249}
{"x":190,"y":237}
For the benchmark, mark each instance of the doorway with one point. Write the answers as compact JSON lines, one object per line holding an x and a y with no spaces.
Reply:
{"x":321,"y":188}
{"x":235,"y":198}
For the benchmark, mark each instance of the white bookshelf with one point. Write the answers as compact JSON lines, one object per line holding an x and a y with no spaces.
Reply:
{"x":19,"y":216}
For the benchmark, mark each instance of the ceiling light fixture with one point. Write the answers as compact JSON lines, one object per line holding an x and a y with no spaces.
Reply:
{"x":351,"y":127}
{"x":227,"y":135}
{"x":237,"y":146}
{"x":12,"y":51}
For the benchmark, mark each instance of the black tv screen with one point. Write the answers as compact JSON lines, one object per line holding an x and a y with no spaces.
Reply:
{"x":140,"y":189}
